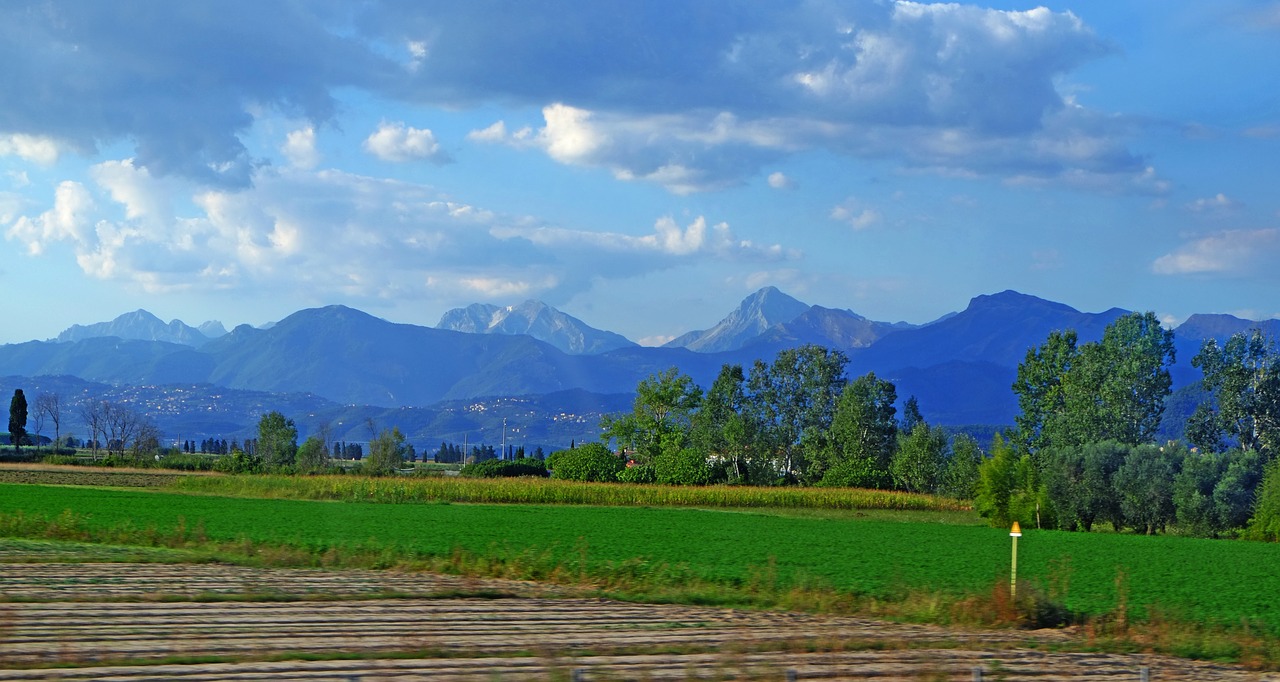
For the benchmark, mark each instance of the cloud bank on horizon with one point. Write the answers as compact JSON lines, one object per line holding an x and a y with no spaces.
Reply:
{"x":641,"y":165}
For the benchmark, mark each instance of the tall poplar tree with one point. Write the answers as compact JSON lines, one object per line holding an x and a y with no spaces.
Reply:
{"x":17,"y":419}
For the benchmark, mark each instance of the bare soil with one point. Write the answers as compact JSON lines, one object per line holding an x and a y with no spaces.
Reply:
{"x":120,"y":621}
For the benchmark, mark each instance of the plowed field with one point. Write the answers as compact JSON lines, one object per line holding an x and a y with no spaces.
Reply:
{"x":183,"y":622}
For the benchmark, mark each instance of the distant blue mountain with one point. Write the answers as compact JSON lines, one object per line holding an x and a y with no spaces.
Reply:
{"x":138,"y":325}
{"x":996,"y":329}
{"x":960,"y":367}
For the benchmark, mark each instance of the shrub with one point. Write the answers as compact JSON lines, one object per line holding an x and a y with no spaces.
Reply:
{"x":638,"y":473}
{"x":590,"y":462}
{"x":505,"y":468}
{"x":855,"y":472}
{"x":238,"y":463}
{"x":685,"y":466}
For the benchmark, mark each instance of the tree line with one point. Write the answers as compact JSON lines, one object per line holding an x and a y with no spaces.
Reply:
{"x":1083,"y":450}
{"x":796,"y":420}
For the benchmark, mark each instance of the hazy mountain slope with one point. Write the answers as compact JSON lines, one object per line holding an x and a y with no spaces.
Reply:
{"x":755,"y":315}
{"x":352,"y":357}
{"x":833,"y":328}
{"x":107,"y":359}
{"x":536,"y":319}
{"x":140,"y":325}
{"x":996,"y":329}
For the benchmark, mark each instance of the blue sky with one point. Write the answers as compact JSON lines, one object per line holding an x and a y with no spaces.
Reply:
{"x":641,"y":165}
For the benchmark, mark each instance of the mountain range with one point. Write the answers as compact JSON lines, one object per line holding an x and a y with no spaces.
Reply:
{"x":959,"y":367}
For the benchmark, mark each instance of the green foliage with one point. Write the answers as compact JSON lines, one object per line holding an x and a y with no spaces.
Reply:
{"x":1041,"y":400}
{"x":1243,"y":377}
{"x":387,"y":453}
{"x":663,"y":411}
{"x":921,"y":455}
{"x":1265,"y":524}
{"x":857,"y":472}
{"x":277,"y":440}
{"x":638,"y":473}
{"x":1078,"y":483}
{"x":312,"y":457}
{"x":960,"y":473}
{"x":589,"y":462}
{"x":1008,"y":488}
{"x":505,"y":468}
{"x":722,"y":431}
{"x":863,"y":427}
{"x":238,"y":462}
{"x":793,"y":403}
{"x":1233,"y":496}
{"x":685,"y":466}
{"x":1114,"y":389}
{"x":1145,"y":486}
{"x":1193,"y":487}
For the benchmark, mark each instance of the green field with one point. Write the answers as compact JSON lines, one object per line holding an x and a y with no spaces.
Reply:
{"x":1191,"y":579}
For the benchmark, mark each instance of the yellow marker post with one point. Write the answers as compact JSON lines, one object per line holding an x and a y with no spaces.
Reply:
{"x":1015,"y":533}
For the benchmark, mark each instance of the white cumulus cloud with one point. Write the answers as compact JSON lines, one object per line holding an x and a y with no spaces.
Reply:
{"x":299,"y":148}
{"x":42,"y":150}
{"x":68,"y":219}
{"x":399,"y":143}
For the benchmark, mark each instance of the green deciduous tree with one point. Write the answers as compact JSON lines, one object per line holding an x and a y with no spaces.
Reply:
{"x":1008,"y":488}
{"x":660,"y":416}
{"x":1193,"y":487}
{"x":793,"y":402}
{"x":918,"y":462}
{"x":1041,"y":401}
{"x":387,"y":452}
{"x":863,"y":433}
{"x":1114,"y":389}
{"x":1233,"y":496}
{"x":312,"y":457}
{"x":722,"y":431}
{"x":960,"y":474}
{"x":17,"y":419}
{"x":1078,"y":483}
{"x":1144,"y":484}
{"x":277,"y":440}
{"x":1243,"y":377}
{"x":684,"y":466}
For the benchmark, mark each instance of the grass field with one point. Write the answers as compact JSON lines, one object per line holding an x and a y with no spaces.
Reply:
{"x":725,"y":552}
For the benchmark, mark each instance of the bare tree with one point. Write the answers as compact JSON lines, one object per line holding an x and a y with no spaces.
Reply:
{"x":325,"y":432}
{"x":122,"y":425}
{"x":37,"y":420}
{"x":94,"y":413}
{"x":146,"y":441}
{"x":50,"y":405}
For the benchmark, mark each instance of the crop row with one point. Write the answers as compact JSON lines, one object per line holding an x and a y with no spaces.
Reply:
{"x":551,"y":491}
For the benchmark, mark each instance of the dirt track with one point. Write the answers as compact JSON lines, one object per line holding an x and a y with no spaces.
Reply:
{"x":429,"y":632}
